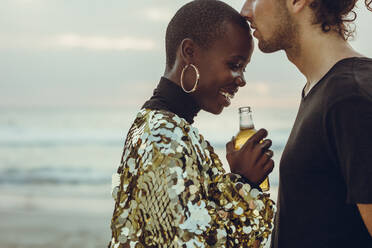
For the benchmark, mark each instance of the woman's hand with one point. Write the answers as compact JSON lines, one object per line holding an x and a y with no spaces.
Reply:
{"x":253,"y":160}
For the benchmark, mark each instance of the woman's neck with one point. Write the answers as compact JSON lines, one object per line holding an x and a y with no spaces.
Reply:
{"x":170,"y":97}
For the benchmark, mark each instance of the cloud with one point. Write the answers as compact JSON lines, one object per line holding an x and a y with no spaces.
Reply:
{"x":26,"y":2}
{"x":261,"y":88}
{"x":29,"y":4}
{"x":76,"y":41}
{"x":104,"y":43}
{"x":158,"y":15}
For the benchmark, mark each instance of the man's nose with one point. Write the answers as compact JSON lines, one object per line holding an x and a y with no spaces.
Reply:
{"x":246,"y":11}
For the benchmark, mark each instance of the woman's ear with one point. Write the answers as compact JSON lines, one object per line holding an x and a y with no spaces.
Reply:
{"x":188,"y":47}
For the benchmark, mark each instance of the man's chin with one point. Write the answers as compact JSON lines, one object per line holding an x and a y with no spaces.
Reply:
{"x":267,"y":48}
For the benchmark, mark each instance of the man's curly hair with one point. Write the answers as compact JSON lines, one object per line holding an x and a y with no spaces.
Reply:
{"x":337,"y":15}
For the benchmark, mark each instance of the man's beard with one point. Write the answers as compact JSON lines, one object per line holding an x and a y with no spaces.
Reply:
{"x":284,"y":36}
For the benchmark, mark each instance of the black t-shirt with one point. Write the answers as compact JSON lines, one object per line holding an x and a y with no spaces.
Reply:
{"x":326,"y":166}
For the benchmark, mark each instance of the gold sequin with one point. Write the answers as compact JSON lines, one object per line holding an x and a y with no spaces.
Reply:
{"x":172,"y":191}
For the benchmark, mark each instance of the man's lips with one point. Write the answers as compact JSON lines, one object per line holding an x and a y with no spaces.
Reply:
{"x":253,"y":27}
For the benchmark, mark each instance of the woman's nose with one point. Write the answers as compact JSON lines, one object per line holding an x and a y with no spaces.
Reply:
{"x":240,"y":81}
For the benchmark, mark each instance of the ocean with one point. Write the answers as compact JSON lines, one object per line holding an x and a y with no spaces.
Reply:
{"x":68,"y":152}
{"x":56,"y":166}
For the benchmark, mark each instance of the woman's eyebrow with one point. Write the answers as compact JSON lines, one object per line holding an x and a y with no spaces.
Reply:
{"x":239,"y":57}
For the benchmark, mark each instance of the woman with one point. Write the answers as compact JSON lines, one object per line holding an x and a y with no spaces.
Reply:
{"x":171,"y":189}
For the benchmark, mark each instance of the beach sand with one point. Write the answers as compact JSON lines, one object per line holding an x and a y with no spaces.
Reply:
{"x":41,"y":220}
{"x":41,"y":229}
{"x":69,"y":220}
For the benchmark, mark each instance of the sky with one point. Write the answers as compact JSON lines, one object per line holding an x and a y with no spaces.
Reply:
{"x":110,"y":53}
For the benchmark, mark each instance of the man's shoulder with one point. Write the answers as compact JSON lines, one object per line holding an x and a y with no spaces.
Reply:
{"x":362,"y":72}
{"x":349,"y":78}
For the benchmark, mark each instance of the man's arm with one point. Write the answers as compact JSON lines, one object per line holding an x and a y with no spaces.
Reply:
{"x":366,"y":213}
{"x":349,"y":125}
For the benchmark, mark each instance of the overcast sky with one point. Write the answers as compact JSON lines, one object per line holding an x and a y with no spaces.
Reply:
{"x":111,"y":53}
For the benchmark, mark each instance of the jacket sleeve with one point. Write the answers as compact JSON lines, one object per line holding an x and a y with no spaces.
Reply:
{"x":247,"y":210}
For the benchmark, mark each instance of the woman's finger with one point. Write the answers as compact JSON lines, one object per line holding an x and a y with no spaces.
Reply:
{"x":255,"y":154}
{"x":269,"y":153}
{"x":269,"y":166}
{"x":266,"y":144}
{"x":255,"y":139}
{"x":264,"y":158}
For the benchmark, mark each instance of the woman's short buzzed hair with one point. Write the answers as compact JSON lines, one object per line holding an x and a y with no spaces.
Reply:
{"x":336,"y":15}
{"x":203,"y":22}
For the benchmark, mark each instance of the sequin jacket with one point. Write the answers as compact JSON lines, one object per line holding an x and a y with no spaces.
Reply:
{"x":172,"y":191}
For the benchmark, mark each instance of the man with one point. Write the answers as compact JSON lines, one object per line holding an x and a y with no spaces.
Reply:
{"x":325,"y":191}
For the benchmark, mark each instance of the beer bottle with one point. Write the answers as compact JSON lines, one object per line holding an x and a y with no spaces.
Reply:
{"x":246,"y":131}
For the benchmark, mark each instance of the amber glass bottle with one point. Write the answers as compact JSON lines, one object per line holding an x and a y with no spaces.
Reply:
{"x":246,"y":131}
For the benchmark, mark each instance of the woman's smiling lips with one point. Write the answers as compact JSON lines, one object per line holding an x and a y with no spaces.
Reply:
{"x":227,"y":96}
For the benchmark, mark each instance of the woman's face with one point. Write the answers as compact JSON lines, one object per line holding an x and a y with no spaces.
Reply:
{"x":221,"y":69}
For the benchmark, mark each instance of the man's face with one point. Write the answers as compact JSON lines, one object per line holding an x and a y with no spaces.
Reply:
{"x":273,"y":26}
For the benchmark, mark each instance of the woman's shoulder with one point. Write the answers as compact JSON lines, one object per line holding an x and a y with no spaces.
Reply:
{"x":170,"y":133}
{"x":161,"y":117}
{"x":168,"y":124}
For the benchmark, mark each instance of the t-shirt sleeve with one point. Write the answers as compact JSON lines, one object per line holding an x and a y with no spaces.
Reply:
{"x":349,"y":128}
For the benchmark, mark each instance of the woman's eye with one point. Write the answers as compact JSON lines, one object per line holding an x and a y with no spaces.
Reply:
{"x":235,"y":67}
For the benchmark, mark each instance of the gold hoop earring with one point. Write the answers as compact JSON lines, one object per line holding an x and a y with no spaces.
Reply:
{"x":197,"y":78}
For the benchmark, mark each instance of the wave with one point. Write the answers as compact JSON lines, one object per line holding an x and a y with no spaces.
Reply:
{"x":11,"y":136}
{"x":66,"y":176}
{"x":18,"y":137}
{"x":54,"y":143}
{"x":51,"y":175}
